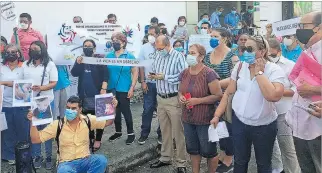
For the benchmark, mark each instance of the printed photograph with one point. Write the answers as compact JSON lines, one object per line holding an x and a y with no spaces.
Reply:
{"x":22,"y":93}
{"x":41,"y":110}
{"x":104,"y":109}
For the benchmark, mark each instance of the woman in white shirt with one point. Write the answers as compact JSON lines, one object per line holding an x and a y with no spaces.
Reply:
{"x":18,"y":125}
{"x":260,"y":84}
{"x":42,"y":70}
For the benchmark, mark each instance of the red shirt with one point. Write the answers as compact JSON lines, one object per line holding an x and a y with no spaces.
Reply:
{"x":26,"y":38}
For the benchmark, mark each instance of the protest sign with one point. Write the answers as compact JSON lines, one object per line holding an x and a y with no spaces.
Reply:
{"x":202,"y":39}
{"x":104,"y":109}
{"x":9,"y":18}
{"x":22,"y":93}
{"x":286,"y":27}
{"x":116,"y":61}
{"x":41,"y":111}
{"x":1,"y":96}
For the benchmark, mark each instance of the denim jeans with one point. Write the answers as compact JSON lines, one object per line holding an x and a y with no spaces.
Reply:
{"x":149,"y":106}
{"x":93,"y":164}
{"x":262,"y":137}
{"x":18,"y":130}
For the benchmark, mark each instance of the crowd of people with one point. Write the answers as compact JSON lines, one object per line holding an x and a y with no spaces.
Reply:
{"x":266,"y":91}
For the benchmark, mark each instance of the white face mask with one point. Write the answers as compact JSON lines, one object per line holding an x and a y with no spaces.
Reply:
{"x":181,"y":23}
{"x":274,"y":60}
{"x":203,"y":31}
{"x":151,"y":39}
{"x":287,"y":42}
{"x":192,"y":60}
{"x":23,"y":26}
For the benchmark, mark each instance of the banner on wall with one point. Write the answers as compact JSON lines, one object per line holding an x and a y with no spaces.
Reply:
{"x":286,"y":27}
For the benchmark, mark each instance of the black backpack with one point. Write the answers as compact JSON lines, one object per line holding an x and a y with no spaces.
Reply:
{"x":91,"y":133}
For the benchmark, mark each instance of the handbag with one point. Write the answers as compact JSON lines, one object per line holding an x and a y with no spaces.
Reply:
{"x":229,"y":110}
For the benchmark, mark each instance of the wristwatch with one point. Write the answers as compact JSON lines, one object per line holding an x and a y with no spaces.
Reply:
{"x":259,"y":73}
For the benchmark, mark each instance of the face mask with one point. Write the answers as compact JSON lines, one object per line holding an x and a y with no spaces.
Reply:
{"x":249,"y":57}
{"x":23,"y":26}
{"x":192,"y":60}
{"x":179,"y":49}
{"x":233,"y":12}
{"x":242,"y":58}
{"x":205,"y":19}
{"x":117,"y":46}
{"x":151,"y":39}
{"x":182,"y":23}
{"x":250,"y":11}
{"x":34,"y":54}
{"x":70,"y":114}
{"x":11,"y":57}
{"x":214,"y":42}
{"x":239,"y":27}
{"x":203,"y":31}
{"x":274,"y":60}
{"x":304,"y":35}
{"x":88,"y":51}
{"x":219,"y":13}
{"x":287,"y":42}
{"x":163,"y":53}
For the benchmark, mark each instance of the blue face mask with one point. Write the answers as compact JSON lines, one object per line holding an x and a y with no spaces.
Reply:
{"x":179,"y":49}
{"x":205,"y":20}
{"x":233,"y":12}
{"x":163,"y":53}
{"x":70,"y":114}
{"x":214,"y":42}
{"x":219,"y":13}
{"x":249,"y":57}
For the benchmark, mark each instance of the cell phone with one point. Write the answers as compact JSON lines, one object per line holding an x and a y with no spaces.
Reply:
{"x":312,"y":106}
{"x":307,"y":109}
{"x":152,"y":73}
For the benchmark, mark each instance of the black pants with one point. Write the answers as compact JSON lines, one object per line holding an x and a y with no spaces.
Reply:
{"x":124,"y":108}
{"x":99,"y":132}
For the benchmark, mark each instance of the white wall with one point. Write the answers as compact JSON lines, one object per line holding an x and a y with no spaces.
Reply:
{"x":270,"y":11}
{"x":44,"y":13}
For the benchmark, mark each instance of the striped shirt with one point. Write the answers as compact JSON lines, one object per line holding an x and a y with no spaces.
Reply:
{"x":224,"y":68}
{"x":171,"y":66}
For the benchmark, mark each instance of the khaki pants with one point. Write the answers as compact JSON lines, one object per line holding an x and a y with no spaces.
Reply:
{"x":169,"y":114}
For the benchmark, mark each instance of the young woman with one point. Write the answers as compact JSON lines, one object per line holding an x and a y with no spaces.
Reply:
{"x":122,"y":80}
{"x":179,"y":46}
{"x":92,"y":80}
{"x":202,"y":83}
{"x":18,"y":126}
{"x":42,"y":70}
{"x":260,"y":84}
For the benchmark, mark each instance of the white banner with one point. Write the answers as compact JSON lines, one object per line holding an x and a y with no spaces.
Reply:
{"x":202,"y":39}
{"x":286,"y":27}
{"x":116,"y":61}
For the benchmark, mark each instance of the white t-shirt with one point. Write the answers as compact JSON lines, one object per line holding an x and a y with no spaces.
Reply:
{"x":249,"y":104}
{"x":34,"y":73}
{"x":6,"y":74}
{"x":147,"y":52}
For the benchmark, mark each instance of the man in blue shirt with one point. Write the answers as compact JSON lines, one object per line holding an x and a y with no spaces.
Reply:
{"x":231,"y":21}
{"x":290,"y":48}
{"x":60,"y":93}
{"x":214,"y":19}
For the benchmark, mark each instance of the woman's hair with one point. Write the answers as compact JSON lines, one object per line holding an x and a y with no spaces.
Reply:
{"x":200,"y":48}
{"x":20,"y":58}
{"x":120,"y":36}
{"x":177,"y":41}
{"x":111,"y":16}
{"x":3,"y":39}
{"x":204,"y":15}
{"x":182,"y":17}
{"x":90,"y":40}
{"x":43,"y":52}
{"x":261,"y":44}
{"x":225,"y":34}
{"x":274,"y":44}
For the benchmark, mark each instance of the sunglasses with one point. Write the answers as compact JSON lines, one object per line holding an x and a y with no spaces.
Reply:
{"x":261,"y":37}
{"x":248,"y":49}
{"x":287,"y":36}
{"x":302,"y":25}
{"x":204,"y":28}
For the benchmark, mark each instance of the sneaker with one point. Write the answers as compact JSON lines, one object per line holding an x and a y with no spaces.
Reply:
{"x":225,"y":169}
{"x":130,"y":139}
{"x":142,"y":140}
{"x":11,"y":162}
{"x":154,"y":114}
{"x":49,"y":164}
{"x":115,"y":137}
{"x":38,"y":162}
{"x":160,"y":140}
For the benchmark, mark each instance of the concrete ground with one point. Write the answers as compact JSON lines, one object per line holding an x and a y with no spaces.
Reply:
{"x":128,"y":158}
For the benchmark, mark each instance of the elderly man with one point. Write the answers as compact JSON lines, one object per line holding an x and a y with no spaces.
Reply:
{"x":166,"y":69}
{"x":307,"y":129}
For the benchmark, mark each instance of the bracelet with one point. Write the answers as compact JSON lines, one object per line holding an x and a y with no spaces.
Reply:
{"x":104,"y":89}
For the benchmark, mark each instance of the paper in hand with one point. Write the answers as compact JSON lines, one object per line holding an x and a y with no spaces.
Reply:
{"x":213,"y":134}
{"x":3,"y":121}
{"x":222,"y":130}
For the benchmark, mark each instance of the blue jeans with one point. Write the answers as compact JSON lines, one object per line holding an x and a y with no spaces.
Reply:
{"x":262,"y":137}
{"x":93,"y":164}
{"x":18,"y":130}
{"x":149,"y":106}
{"x":36,"y":148}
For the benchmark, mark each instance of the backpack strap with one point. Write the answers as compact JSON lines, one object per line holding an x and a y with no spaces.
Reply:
{"x":59,"y":128}
{"x":91,"y":133}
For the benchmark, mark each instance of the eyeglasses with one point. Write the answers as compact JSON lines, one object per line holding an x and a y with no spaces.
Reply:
{"x":287,"y":36}
{"x":204,"y":28}
{"x":301,"y":25}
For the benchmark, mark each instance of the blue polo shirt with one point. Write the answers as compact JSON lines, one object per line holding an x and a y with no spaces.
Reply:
{"x":292,"y":55}
{"x":63,"y":78}
{"x":232,"y":19}
{"x":120,"y":77}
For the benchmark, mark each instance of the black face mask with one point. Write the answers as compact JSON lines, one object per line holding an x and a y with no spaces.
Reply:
{"x":304,"y":35}
{"x":11,"y":57}
{"x":35,"y":55}
{"x":117,"y":46}
{"x":88,"y":51}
